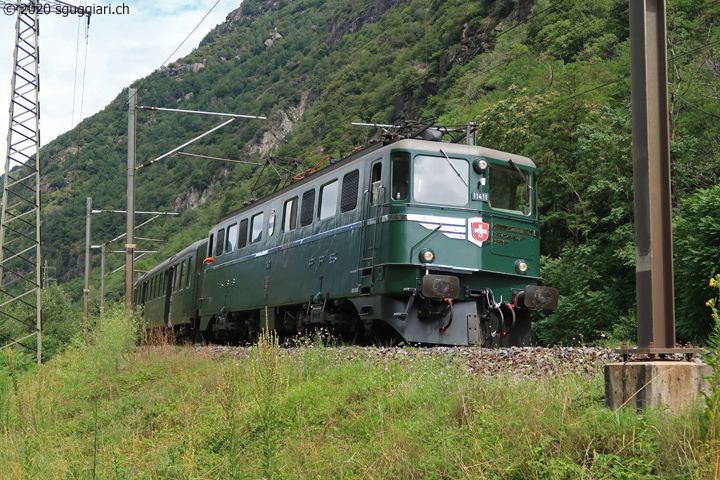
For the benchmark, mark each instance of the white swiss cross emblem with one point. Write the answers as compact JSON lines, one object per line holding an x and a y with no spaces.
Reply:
{"x":479,"y":231}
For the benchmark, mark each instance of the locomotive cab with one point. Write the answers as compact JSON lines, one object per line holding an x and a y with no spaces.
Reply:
{"x":454,"y":253}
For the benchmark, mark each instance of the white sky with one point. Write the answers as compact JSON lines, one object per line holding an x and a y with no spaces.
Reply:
{"x":121,"y":49}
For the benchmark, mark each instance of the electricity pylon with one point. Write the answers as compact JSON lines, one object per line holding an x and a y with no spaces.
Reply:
{"x":20,"y":268}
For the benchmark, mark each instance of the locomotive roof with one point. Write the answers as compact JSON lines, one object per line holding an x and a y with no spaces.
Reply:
{"x":405,"y":144}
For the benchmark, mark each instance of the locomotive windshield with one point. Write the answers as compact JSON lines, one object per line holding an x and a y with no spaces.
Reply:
{"x":508,"y":190}
{"x":440,"y":180}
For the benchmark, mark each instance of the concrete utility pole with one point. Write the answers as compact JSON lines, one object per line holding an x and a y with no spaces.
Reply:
{"x":652,"y":384}
{"x":86,"y":290}
{"x":45,"y":269}
{"x":130,"y":241}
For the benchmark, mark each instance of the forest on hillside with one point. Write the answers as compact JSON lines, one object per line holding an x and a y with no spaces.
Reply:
{"x":549,"y":79}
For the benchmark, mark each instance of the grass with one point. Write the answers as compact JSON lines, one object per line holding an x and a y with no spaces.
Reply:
{"x":106,"y":409}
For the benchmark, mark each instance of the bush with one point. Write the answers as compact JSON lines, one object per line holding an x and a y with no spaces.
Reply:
{"x":697,"y":249}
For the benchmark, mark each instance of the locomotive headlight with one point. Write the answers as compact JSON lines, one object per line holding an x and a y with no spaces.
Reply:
{"x":521,"y":267}
{"x":480,"y":165}
{"x":427,"y":256}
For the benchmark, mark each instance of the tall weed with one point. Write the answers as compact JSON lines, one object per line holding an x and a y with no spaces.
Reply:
{"x":271,"y":393}
{"x":710,"y":419}
{"x":116,"y":338}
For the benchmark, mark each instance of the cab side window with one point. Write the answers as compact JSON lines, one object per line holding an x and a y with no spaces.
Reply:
{"x":257,"y":228}
{"x":290,"y":215}
{"x":328,"y":200}
{"x":231,"y":243}
{"x":376,"y":179}
{"x":400,"y":175}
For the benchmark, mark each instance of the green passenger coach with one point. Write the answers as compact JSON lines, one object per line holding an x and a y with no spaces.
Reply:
{"x":437,"y":242}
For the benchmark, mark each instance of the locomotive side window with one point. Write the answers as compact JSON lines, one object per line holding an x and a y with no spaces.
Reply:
{"x":210,"y":244}
{"x":348,"y":200}
{"x":440,"y":180}
{"x":376,"y":176}
{"x":508,"y":190}
{"x":176,"y":279}
{"x":308,"y":205}
{"x":231,"y":243}
{"x":290,"y":214}
{"x":220,"y":244}
{"x":400,"y":175}
{"x":256,"y":228}
{"x":271,"y":223}
{"x":242,"y":235}
{"x":328,"y":200}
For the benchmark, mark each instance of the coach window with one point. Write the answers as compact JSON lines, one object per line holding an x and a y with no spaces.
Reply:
{"x":231,"y":243}
{"x":441,"y":180}
{"x":348,"y":199}
{"x":308,"y":205}
{"x":220,"y":244}
{"x":328,"y":200}
{"x":400,"y":175}
{"x":290,"y":214}
{"x":256,"y":228}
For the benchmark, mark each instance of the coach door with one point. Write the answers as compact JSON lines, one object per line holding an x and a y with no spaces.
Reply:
{"x":372,"y":200}
{"x":169,"y":279}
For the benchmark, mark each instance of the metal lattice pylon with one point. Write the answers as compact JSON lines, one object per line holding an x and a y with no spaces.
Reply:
{"x":20,"y":269}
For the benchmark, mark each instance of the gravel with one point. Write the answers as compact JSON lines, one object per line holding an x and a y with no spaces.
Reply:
{"x":517,"y":361}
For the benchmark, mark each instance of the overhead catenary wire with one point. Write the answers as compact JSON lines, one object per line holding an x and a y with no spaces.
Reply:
{"x":189,"y":34}
{"x":142,"y":81}
{"x":81,"y":22}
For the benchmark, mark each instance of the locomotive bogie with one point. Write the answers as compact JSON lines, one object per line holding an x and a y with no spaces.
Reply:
{"x":438,"y":241}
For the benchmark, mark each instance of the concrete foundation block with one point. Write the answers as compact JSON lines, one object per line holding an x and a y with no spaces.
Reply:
{"x":655,"y":384}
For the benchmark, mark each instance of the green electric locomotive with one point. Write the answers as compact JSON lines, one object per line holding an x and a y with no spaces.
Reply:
{"x":435,"y":241}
